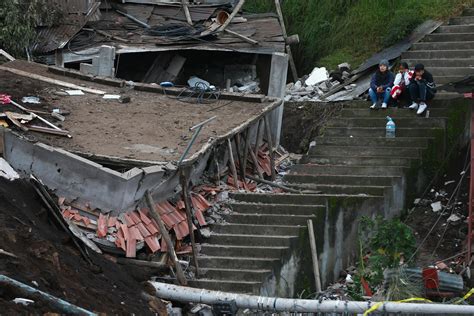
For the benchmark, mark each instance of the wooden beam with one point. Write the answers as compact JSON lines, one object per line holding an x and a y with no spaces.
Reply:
{"x":239,"y":156}
{"x":236,"y":10}
{"x":232,"y":163}
{"x":285,"y":36}
{"x":259,"y":135}
{"x":7,"y":55}
{"x":255,"y":163}
{"x":246,"y":149}
{"x":51,"y":80}
{"x":164,"y":233}
{"x":189,"y":215}
{"x":242,"y":37}
{"x":270,"y":147}
{"x":184,"y":3}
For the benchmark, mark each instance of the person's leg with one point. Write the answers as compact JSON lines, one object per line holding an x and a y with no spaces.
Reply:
{"x":414,"y":95}
{"x":430,"y":93}
{"x":386,"y":97}
{"x":423,"y":94}
{"x":373,"y":97}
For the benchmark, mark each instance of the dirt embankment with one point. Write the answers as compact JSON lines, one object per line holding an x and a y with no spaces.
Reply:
{"x":47,"y":257}
{"x":303,"y":121}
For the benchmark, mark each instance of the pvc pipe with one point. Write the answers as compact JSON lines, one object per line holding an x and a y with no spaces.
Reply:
{"x":58,"y":303}
{"x":276,"y":304}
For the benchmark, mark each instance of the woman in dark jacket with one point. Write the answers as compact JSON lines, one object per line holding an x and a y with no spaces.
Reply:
{"x":381,"y":85}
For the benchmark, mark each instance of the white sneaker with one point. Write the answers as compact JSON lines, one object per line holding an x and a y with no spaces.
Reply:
{"x":373,"y":106}
{"x":384,"y":105}
{"x":413,"y":106}
{"x":422,"y":108}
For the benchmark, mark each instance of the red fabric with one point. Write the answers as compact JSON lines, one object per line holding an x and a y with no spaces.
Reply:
{"x":430,"y":277}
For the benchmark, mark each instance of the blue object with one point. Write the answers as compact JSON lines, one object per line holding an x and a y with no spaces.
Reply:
{"x":166,"y":84}
{"x":385,"y":96}
{"x":390,"y":128}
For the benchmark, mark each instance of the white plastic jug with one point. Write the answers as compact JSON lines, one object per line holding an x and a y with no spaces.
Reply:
{"x":390,"y":128}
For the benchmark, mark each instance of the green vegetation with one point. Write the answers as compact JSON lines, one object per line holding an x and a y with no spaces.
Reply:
{"x":335,"y":31}
{"x":18,"y":19}
{"x":383,"y":244}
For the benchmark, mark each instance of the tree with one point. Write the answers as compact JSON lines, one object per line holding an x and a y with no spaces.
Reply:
{"x":18,"y":22}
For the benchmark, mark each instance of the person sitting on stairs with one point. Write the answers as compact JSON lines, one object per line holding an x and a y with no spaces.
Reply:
{"x":402,"y":80}
{"x":381,"y":85}
{"x":422,"y":88}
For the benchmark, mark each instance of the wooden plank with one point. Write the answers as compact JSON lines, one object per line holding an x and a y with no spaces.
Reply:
{"x":164,"y":233}
{"x":7,"y":55}
{"x":242,"y":37}
{"x":232,"y":163}
{"x":48,"y":130}
{"x":314,"y":256}
{"x":51,"y":80}
{"x":184,"y":4}
{"x":15,"y":122}
{"x":236,"y":10}
{"x":270,"y":146}
{"x":285,"y":35}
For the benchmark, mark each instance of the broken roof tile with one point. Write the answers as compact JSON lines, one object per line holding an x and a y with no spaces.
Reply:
{"x":200,"y":218}
{"x":143,"y":230}
{"x":144,"y":217}
{"x":135,"y":217}
{"x":112,"y":221}
{"x":61,"y":200}
{"x":102,"y":226}
{"x":153,"y":228}
{"x":125,"y":231}
{"x":120,"y":240}
{"x":184,"y":249}
{"x":128,"y":220}
{"x":181,"y":230}
{"x":135,"y":233}
{"x":152,"y":243}
{"x":131,"y":248}
{"x":199,"y":202}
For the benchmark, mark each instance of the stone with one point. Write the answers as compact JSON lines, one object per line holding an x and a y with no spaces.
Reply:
{"x":436,"y":207}
{"x":453,"y":218}
{"x":298,"y":85}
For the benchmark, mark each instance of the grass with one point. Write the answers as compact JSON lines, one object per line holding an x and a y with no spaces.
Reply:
{"x":336,"y":31}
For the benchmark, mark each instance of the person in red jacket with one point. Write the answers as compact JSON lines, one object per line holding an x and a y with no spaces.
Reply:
{"x":402,"y":80}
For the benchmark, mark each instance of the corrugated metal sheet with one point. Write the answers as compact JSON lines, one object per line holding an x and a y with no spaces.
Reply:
{"x":76,"y":13}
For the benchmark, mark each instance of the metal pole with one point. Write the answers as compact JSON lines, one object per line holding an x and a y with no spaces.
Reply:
{"x":276,"y":304}
{"x":232,"y":164}
{"x":471,"y":195}
{"x":197,"y":129}
{"x":28,"y":291}
{"x":314,"y":256}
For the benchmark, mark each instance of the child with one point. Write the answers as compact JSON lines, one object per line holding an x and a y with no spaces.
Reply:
{"x":402,"y":80}
{"x":422,"y":88}
{"x":381,"y":85}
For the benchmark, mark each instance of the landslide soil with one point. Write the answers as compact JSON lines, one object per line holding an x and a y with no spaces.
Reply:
{"x":47,"y":256}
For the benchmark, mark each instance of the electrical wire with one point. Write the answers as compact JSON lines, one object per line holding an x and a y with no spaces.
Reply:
{"x":83,"y":40}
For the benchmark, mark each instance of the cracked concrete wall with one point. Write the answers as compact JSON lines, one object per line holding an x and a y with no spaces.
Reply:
{"x":74,"y":177}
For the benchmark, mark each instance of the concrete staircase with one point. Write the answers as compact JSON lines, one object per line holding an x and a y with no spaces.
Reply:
{"x":448,"y":53}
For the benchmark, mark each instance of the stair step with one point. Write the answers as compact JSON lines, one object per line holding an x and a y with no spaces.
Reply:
{"x":245,"y":275}
{"x":347,"y":170}
{"x":461,"y":20}
{"x":363,"y":151}
{"x":348,"y":122}
{"x":419,"y":142}
{"x":455,"y":29}
{"x":451,"y":71}
{"x":256,"y":229}
{"x":352,"y":180}
{"x":452,"y":62}
{"x":427,"y":54}
{"x":236,"y":262}
{"x":276,"y":208}
{"x":468,"y":12}
{"x":449,"y":37}
{"x":303,"y":199}
{"x":394,"y":113}
{"x":366,"y":104}
{"x":380,"y":132}
{"x":268,"y":219}
{"x":359,"y":161}
{"x":242,"y":251}
{"x":441,"y":80}
{"x":250,"y":240}
{"x":227,"y":286}
{"x":442,"y":45}
{"x":371,"y":190}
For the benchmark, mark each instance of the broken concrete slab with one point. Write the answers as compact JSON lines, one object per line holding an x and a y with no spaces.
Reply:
{"x":317,"y":75}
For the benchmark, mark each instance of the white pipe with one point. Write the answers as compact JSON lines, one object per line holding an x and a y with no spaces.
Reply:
{"x":276,"y":304}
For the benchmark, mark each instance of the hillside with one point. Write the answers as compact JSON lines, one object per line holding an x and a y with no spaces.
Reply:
{"x":335,"y":31}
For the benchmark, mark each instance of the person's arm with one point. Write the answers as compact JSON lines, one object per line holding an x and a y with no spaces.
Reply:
{"x":398,"y":79}
{"x":408,"y":76}
{"x":389,"y":81}
{"x":373,"y":83}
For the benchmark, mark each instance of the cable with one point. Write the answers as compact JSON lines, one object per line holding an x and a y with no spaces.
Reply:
{"x":81,"y":41}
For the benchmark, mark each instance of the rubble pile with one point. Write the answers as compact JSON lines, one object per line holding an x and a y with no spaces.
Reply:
{"x":314,"y":86}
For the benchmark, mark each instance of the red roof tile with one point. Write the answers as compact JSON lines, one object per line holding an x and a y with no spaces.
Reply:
{"x":153,"y":228}
{"x":102,"y":226}
{"x":184,"y":249}
{"x":131,"y":248}
{"x":120,"y":240}
{"x":128,"y":220}
{"x":144,"y":217}
{"x":135,"y":233}
{"x":152,"y":243}
{"x":200,"y":218}
{"x":126,"y":233}
{"x":143,"y":230}
{"x":112,"y":221}
{"x":181,"y":230}
{"x":135,"y":217}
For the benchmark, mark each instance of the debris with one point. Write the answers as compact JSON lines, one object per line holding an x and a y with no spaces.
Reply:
{"x":6,"y":171}
{"x":453,"y":218}
{"x":449,"y":182}
{"x":74,"y":92}
{"x":33,"y":100}
{"x":198,"y":83}
{"x":6,"y":253}
{"x":58,"y":116}
{"x":436,"y":206}
{"x":23,"y":301}
{"x":205,"y":232}
{"x":111,"y":96}
{"x":318,"y":75}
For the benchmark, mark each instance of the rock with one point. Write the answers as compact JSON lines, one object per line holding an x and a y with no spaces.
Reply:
{"x":436,"y":207}
{"x":453,"y":218}
{"x":309,"y":88}
{"x":287,"y":97}
{"x":344,"y":67}
{"x":298,"y":85}
{"x":317,"y":75}
{"x":205,"y":232}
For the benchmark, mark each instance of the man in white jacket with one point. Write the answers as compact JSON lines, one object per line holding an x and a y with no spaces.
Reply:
{"x":401,"y":82}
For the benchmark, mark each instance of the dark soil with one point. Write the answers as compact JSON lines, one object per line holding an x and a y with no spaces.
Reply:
{"x":303,"y":121}
{"x":447,"y":238}
{"x":47,"y":256}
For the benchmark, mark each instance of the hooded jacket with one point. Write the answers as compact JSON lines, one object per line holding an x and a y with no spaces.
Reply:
{"x":382,"y":79}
